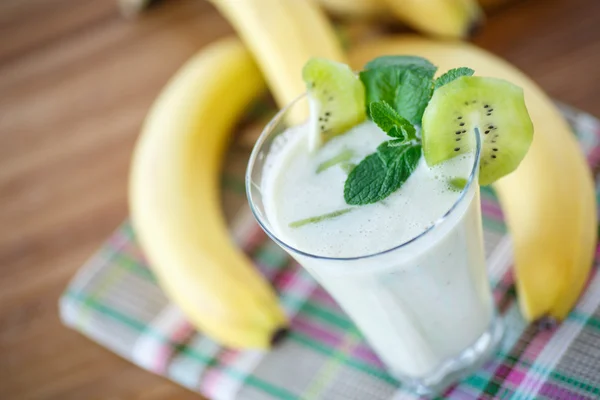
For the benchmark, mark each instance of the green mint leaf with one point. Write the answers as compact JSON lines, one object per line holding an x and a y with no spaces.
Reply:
{"x":364,"y":183}
{"x":319,"y":218}
{"x":452,"y":75}
{"x":380,"y":85}
{"x":414,"y":93}
{"x":391,"y":122}
{"x":345,"y":155}
{"x":397,"y":142}
{"x":382,"y":173}
{"x":394,"y":151}
{"x":403,"y":82}
{"x":388,"y":151}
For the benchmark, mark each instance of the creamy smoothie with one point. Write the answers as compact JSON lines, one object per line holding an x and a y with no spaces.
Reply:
{"x":417,"y":305}
{"x":376,"y":194}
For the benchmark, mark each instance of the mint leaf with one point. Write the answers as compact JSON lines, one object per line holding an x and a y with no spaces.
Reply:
{"x":319,"y":218}
{"x":345,"y":155}
{"x":365,"y":182}
{"x":452,"y":75}
{"x":390,"y":151}
{"x":414,"y":93}
{"x":397,"y":143}
{"x":382,"y":173}
{"x":403,"y":82}
{"x":391,"y":122}
{"x":380,"y":85}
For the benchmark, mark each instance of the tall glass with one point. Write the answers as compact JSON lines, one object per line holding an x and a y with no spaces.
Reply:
{"x":425,"y":305}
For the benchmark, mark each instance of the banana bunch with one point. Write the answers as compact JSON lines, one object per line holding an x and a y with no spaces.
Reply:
{"x":549,"y":201}
{"x":441,"y":18}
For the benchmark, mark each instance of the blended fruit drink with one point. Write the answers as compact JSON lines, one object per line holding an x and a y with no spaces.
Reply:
{"x":381,"y":204}
{"x":418,"y":308}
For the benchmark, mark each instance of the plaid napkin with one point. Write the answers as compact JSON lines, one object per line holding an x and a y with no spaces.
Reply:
{"x":115,"y":300}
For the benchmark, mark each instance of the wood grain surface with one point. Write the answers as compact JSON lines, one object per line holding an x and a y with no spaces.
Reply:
{"x":76,"y":80}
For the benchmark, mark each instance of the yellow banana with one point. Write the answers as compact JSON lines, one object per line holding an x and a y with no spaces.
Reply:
{"x":355,"y":9}
{"x":549,"y":201}
{"x":442,"y":18}
{"x":282,"y":35}
{"x":175,"y":204}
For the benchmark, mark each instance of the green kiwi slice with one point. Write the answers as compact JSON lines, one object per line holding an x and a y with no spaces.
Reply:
{"x":494,"y":106}
{"x":336,"y":99}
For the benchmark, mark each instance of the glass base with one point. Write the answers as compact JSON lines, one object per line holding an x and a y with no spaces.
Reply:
{"x":459,"y":367}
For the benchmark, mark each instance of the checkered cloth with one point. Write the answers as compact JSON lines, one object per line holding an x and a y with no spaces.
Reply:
{"x":115,"y":300}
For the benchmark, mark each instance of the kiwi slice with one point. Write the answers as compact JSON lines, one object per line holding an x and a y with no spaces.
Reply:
{"x":336,"y":97}
{"x":494,"y":106}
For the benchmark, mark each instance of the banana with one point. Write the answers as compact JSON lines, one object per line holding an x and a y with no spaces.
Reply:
{"x":441,"y":18}
{"x":282,"y":35}
{"x":355,"y":9}
{"x":548,"y":202}
{"x":175,"y":204}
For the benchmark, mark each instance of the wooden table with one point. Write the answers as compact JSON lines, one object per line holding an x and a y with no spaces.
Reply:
{"x":76,"y":80}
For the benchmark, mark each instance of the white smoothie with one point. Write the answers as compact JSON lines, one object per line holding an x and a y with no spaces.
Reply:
{"x":418,"y":305}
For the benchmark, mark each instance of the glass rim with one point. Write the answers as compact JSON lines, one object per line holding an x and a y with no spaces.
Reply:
{"x":248,"y":185}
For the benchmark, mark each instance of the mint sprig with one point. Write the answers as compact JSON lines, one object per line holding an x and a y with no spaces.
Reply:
{"x":381,"y":173}
{"x":397,"y":90}
{"x":404,"y":82}
{"x":392,"y":123}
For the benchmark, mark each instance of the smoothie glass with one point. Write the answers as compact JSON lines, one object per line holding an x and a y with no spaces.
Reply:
{"x":425,"y":306}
